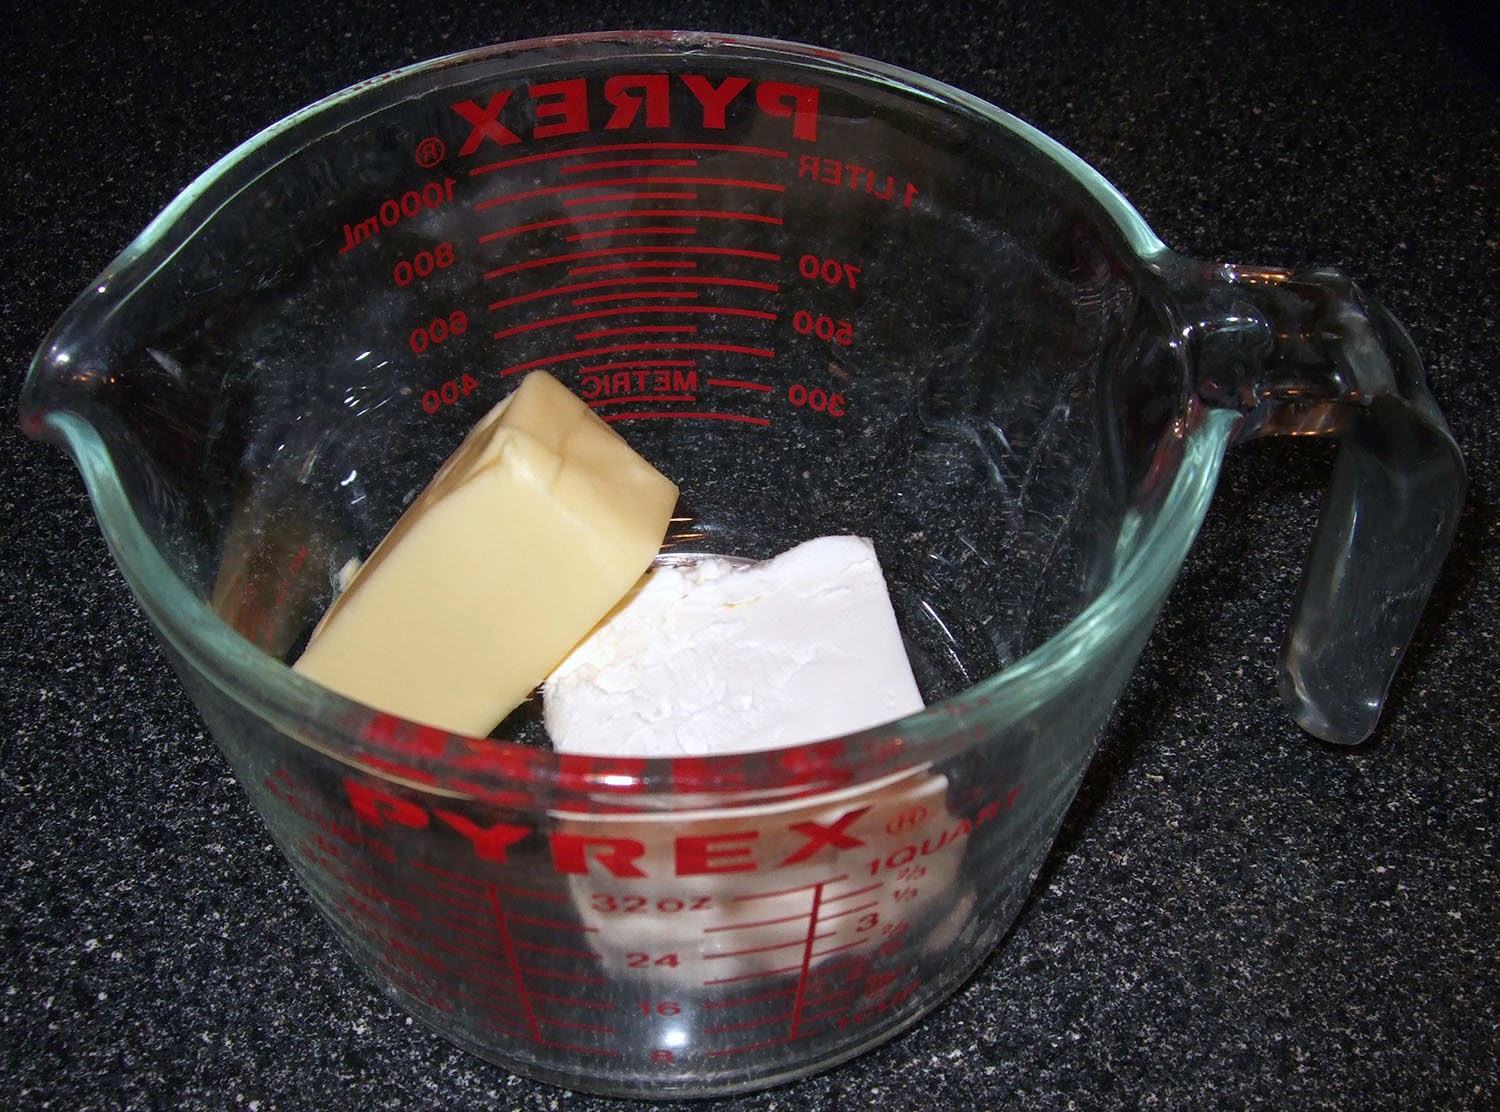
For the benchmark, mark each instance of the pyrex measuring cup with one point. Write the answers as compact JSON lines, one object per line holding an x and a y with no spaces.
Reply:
{"x":823,"y":296}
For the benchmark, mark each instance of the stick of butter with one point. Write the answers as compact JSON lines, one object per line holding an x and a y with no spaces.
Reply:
{"x":532,"y":530}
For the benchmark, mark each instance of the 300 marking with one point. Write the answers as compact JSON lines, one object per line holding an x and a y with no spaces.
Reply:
{"x":818,"y":400}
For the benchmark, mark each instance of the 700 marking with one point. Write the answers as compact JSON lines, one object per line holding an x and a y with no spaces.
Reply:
{"x":832,"y":271}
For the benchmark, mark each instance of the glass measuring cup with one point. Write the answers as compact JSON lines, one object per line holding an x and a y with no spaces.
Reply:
{"x":979,"y":356}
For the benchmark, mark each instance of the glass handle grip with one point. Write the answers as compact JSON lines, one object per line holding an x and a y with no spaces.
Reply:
{"x":1309,"y":354}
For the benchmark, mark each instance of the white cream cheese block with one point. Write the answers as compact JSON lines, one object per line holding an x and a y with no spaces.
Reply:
{"x":717,"y":656}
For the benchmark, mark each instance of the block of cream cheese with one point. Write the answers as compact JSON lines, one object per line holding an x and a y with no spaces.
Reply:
{"x":716,"y":656}
{"x":532,"y":530}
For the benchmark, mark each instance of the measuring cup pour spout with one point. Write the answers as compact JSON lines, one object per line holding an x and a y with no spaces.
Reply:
{"x":1310,"y":354}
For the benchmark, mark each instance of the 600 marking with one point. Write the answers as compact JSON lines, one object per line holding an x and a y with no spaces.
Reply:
{"x":439,"y":331}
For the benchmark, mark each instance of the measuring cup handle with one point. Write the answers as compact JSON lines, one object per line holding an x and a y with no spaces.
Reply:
{"x":1308,"y":353}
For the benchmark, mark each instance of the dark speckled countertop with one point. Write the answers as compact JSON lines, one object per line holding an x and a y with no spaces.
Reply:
{"x":1234,"y":913}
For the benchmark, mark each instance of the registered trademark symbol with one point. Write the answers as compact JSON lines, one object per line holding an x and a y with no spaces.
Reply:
{"x":430,"y":152}
{"x":906,"y":820}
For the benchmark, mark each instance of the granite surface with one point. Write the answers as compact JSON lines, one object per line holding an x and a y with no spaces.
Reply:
{"x":1234,"y":915}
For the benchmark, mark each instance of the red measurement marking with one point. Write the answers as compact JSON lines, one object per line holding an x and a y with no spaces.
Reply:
{"x":613,"y":349}
{"x":494,"y":1004}
{"x":339,"y":868}
{"x":736,"y":384}
{"x":503,"y":1028}
{"x":508,"y":986}
{"x":552,"y":924}
{"x":658,"y":231}
{"x":572,"y":1026}
{"x":824,"y":1015}
{"x":630,"y":214}
{"x":631,"y":183}
{"x":559,"y":951}
{"x":807,"y":956}
{"x":634,"y":195}
{"x":855,"y":892}
{"x":759,"y":998}
{"x":570,"y":1001}
{"x":611,"y":418}
{"x":760,"y":923}
{"x":559,"y":975}
{"x":621,"y":163}
{"x":629,"y":310}
{"x":492,"y":1001}
{"x":643,"y":398}
{"x":828,"y":996}
{"x":580,"y":1049}
{"x":840,"y":949}
{"x":600,"y":368}
{"x":814,"y":887}
{"x":479,"y":930}
{"x":754,"y":976}
{"x":637,"y":249}
{"x":457,"y":917}
{"x":532,"y":893}
{"x":606,"y":283}
{"x":456,"y":880}
{"x":363,"y":915}
{"x":747,"y":1024}
{"x":644,"y":329}
{"x":438,"y":897}
{"x":683,"y":264}
{"x":758,"y":1046}
{"x":851,"y":910}
{"x":472,"y":955}
{"x":675,"y":295}
{"x":767,"y":949}
{"x":607,"y":148}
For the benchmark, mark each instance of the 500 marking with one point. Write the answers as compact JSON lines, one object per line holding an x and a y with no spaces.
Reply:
{"x":824,"y":328}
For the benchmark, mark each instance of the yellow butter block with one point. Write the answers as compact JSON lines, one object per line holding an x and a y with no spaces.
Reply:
{"x":530,"y":533}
